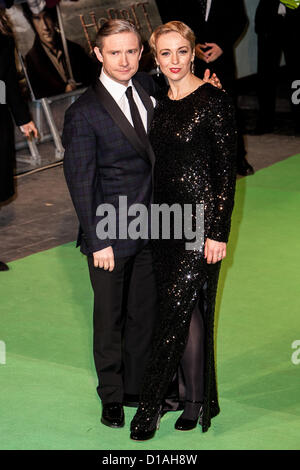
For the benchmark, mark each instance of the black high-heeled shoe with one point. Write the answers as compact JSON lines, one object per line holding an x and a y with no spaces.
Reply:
{"x":184,"y":424}
{"x":142,"y":432}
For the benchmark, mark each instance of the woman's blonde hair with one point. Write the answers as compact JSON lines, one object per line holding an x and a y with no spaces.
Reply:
{"x":172,"y":27}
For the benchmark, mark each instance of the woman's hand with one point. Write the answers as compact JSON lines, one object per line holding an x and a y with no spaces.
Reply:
{"x":213,"y":80}
{"x":214,"y":251}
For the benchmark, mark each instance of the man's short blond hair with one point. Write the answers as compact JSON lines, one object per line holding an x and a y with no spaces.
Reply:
{"x":172,"y":27}
{"x":116,"y":26}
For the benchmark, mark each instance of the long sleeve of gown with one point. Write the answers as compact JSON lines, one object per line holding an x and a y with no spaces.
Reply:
{"x":223,"y":137}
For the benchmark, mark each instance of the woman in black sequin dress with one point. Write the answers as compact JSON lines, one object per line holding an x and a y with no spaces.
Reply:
{"x":193,"y":135}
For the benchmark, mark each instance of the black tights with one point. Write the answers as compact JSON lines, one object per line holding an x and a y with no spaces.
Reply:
{"x":192,"y":364}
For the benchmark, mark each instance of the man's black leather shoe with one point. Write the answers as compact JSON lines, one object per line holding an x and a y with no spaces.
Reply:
{"x":113,"y":415}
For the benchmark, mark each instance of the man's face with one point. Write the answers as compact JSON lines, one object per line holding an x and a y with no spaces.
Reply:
{"x":44,"y":27}
{"x":120,"y":56}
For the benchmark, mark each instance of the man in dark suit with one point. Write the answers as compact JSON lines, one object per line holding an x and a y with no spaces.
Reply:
{"x":278,"y":30}
{"x":217,"y":24}
{"x":107,"y":155}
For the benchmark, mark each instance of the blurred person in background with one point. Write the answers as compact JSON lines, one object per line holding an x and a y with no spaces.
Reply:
{"x":277,"y":25}
{"x":11,"y":103}
{"x":218,"y":25}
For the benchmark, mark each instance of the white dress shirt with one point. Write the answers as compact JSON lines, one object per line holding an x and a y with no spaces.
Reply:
{"x":282,"y":9}
{"x":208,"y":7}
{"x":117,"y":91}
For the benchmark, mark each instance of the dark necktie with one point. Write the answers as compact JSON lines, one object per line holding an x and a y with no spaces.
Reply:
{"x":203,"y":5}
{"x":136,"y":117}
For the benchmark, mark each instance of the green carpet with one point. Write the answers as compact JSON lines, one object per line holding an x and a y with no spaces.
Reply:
{"x":47,"y":386}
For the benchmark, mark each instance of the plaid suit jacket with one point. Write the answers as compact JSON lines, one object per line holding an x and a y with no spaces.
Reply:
{"x":105,"y":159}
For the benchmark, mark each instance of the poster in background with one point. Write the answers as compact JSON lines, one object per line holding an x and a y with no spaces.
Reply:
{"x":56,"y":47}
{"x":83,"y":18}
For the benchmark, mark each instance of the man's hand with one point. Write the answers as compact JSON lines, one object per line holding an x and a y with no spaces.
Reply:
{"x":104,"y":259}
{"x":28,"y":128}
{"x":70,"y":87}
{"x":214,"y":251}
{"x":209,"y":52}
{"x":213,"y":80}
{"x":200,"y":51}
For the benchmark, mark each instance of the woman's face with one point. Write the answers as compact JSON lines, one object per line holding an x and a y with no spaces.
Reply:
{"x":174,"y":55}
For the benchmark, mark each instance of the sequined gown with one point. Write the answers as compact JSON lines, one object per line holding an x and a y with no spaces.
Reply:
{"x":194,"y":141}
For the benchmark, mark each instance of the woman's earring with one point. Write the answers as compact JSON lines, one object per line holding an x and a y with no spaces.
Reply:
{"x":157,"y":70}
{"x":192,"y":67}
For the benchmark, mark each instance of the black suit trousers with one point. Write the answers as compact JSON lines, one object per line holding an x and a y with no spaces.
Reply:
{"x":125,"y":308}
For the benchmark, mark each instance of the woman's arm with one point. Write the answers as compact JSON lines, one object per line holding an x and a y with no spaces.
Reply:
{"x":223,"y":136}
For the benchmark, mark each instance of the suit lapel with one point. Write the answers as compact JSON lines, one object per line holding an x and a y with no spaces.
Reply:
{"x":120,"y":119}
